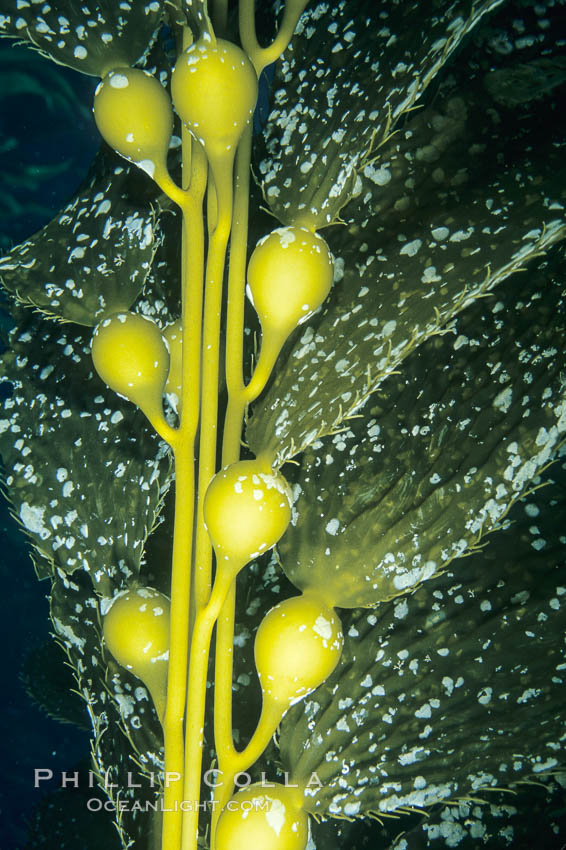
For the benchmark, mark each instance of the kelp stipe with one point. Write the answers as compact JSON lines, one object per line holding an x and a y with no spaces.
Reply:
{"x":401,"y":381}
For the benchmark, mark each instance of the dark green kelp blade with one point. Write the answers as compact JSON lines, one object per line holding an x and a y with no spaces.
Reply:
{"x":398,"y":284}
{"x":92,"y":37}
{"x":441,"y":451}
{"x":352,"y":70}
{"x":84,"y":472}
{"x":457,"y":137}
{"x":528,"y":816}
{"x":526,"y":81}
{"x":452,"y":691}
{"x":93,"y":258}
{"x":50,"y":683}
{"x":523,"y":46}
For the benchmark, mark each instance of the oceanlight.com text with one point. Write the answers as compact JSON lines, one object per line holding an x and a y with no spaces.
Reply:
{"x":95,"y":804}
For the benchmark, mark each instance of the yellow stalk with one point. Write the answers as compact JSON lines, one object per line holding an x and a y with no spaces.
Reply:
{"x":154,"y":414}
{"x":270,"y":718}
{"x":235,"y":762}
{"x":263,"y":56}
{"x":271,"y":345}
{"x":222,"y":170}
{"x":194,"y":731}
{"x":208,"y":605}
{"x":223,"y":670}
{"x":184,"y":516}
{"x":190,"y":199}
{"x":235,"y":308}
{"x":168,"y":186}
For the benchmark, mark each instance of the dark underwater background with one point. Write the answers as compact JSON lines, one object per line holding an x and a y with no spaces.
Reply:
{"x":47,"y":142}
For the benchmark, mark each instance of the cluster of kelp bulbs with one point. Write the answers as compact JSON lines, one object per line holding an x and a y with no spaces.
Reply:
{"x":247,"y":506}
{"x":213,"y":88}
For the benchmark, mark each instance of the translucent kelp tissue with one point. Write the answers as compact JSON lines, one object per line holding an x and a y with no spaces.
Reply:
{"x":286,"y":419}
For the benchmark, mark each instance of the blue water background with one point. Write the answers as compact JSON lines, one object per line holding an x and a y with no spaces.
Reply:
{"x":47,"y":142}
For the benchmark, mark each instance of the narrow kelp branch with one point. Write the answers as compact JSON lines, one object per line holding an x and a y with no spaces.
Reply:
{"x":192,"y":301}
{"x":264,"y":56}
{"x":209,"y":397}
{"x":231,"y":439}
{"x":427,"y":410}
{"x":234,"y":417}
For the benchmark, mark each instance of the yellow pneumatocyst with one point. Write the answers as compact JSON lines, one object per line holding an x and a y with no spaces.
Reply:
{"x":136,"y":631}
{"x":297,"y":646}
{"x":263,"y":817}
{"x":134,"y":115}
{"x":130,"y":356}
{"x":214,"y":89}
{"x":246,"y":511}
{"x":289,"y":275}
